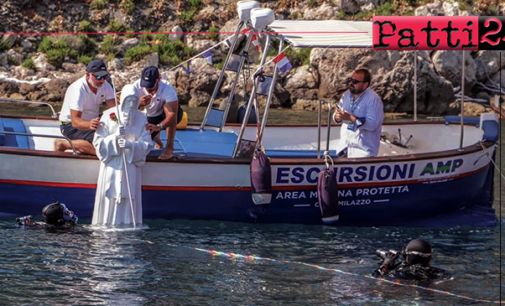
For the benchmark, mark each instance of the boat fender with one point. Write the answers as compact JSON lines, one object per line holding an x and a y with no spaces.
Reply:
{"x":261,"y":179}
{"x":327,"y":193}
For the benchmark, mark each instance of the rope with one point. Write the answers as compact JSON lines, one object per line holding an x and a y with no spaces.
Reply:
{"x":257,"y":258}
{"x":491,"y":159}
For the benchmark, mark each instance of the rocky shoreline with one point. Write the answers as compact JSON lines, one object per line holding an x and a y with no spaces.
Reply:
{"x":27,"y":72}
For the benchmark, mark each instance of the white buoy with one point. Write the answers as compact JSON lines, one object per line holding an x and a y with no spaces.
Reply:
{"x":262,"y":17}
{"x":244,"y":9}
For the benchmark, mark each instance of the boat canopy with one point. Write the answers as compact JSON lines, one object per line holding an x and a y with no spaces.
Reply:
{"x":324,"y":33}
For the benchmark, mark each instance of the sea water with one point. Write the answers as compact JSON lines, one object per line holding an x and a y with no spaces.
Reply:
{"x":165,"y":263}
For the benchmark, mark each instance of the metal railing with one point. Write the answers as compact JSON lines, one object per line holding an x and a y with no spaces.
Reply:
{"x":319,"y":125}
{"x":54,"y":115}
{"x":44,"y":136}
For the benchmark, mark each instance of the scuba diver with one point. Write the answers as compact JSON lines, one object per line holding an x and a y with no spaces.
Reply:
{"x":54,"y":215}
{"x":414,"y":266}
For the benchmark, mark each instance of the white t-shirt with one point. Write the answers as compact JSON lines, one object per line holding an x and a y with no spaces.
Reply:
{"x":80,"y":97}
{"x":166,"y":93}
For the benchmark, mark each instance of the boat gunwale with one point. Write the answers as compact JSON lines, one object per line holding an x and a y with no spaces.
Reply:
{"x":274,"y":161}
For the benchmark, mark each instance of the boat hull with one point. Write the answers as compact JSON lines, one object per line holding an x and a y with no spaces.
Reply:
{"x":427,"y":192}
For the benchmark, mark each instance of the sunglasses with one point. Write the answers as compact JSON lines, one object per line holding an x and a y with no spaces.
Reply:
{"x":354,"y":81}
{"x":98,"y":77}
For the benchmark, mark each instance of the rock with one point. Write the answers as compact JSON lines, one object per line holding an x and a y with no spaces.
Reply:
{"x":470,"y":109}
{"x":396,"y":88}
{"x":488,"y":63}
{"x":432,"y":9}
{"x":496,"y":78}
{"x":231,"y":27}
{"x":56,"y":89}
{"x":25,"y":89}
{"x":129,"y":43}
{"x":11,"y":38}
{"x":116,"y":65}
{"x":4,"y":59}
{"x":177,"y":33}
{"x":311,"y":105}
{"x":451,"y":8}
{"x":199,"y":98}
{"x":324,"y":12}
{"x":448,"y":64}
{"x":483,"y":95}
{"x":73,"y":68}
{"x":233,"y":111}
{"x":202,"y":78}
{"x":42,"y":64}
{"x":26,"y":45}
{"x":302,"y":84}
{"x":23,"y":72}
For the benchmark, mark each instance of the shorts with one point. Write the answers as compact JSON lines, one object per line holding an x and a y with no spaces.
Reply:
{"x":74,"y":134}
{"x":158,"y":119}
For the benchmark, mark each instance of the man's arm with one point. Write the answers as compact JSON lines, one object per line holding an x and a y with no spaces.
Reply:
{"x":170,"y":123}
{"x":82,"y":124}
{"x":374,"y":116}
{"x":111,"y":103}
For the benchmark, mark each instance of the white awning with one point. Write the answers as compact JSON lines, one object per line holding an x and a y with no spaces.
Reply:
{"x":325,"y":33}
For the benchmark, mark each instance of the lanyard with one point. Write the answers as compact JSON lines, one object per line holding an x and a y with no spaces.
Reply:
{"x":354,"y":104}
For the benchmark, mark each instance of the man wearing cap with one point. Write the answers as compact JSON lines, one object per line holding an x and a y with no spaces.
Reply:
{"x":79,"y":116}
{"x":162,"y":107}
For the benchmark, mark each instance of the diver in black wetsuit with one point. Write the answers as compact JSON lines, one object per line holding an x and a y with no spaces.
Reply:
{"x":416,"y":264}
{"x":54,"y":215}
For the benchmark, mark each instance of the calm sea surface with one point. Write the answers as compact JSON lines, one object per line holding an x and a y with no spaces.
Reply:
{"x":96,"y":267}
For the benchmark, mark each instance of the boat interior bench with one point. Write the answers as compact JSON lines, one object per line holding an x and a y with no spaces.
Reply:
{"x":15,"y":141}
{"x":210,"y":143}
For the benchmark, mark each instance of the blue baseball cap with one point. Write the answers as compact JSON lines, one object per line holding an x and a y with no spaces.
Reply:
{"x":149,"y":76}
{"x":97,"y":67}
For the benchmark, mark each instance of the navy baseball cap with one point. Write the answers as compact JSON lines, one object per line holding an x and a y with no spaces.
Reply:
{"x":97,"y":67}
{"x":149,"y":76}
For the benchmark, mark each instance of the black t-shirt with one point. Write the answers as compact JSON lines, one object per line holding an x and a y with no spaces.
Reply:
{"x":416,"y":272}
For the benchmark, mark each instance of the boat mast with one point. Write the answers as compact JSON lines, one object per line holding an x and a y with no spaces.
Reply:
{"x":462,"y":103}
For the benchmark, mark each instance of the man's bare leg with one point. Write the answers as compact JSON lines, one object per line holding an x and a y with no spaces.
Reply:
{"x":157,"y":140}
{"x":80,"y":145}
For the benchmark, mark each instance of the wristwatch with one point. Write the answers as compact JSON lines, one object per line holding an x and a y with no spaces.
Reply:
{"x":160,"y":126}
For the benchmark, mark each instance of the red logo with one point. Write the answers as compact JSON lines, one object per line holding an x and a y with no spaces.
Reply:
{"x":438,"y":33}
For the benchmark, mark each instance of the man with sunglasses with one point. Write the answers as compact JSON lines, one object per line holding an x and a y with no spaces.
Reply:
{"x":361,"y":112}
{"x":162,"y":107}
{"x":79,"y":116}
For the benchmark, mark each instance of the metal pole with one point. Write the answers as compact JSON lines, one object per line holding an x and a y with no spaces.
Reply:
{"x":237,"y":76}
{"x":42,"y":135}
{"x":54,"y":115}
{"x":319,"y":128}
{"x":269,"y":99}
{"x":415,"y":85}
{"x":462,"y":103}
{"x":221,"y":75}
{"x":329,"y":129}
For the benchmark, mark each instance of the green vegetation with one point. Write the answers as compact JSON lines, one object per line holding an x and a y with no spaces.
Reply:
{"x":137,"y":53}
{"x":89,"y":45}
{"x":109,"y":45}
{"x":11,"y":60}
{"x":387,"y":9}
{"x":115,"y":26}
{"x":85,"y":59}
{"x":195,"y":5}
{"x":364,"y":15}
{"x":214,"y":36}
{"x":492,"y":10}
{"x":186,"y":16}
{"x":218,"y":65}
{"x":57,"y":50}
{"x":128,"y":6}
{"x":312,"y":3}
{"x":97,"y":5}
{"x":86,"y":27}
{"x":5,"y":45}
{"x":28,"y":63}
{"x":294,"y":15}
{"x":341,"y":15}
{"x":128,"y":30}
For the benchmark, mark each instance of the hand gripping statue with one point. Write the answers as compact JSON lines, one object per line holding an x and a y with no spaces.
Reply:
{"x":117,"y":139}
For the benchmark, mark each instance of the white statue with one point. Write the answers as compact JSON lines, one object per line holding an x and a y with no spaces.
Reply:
{"x":112,"y":201}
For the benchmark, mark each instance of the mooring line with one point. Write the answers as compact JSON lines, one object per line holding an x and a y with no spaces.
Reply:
{"x":258,"y":258}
